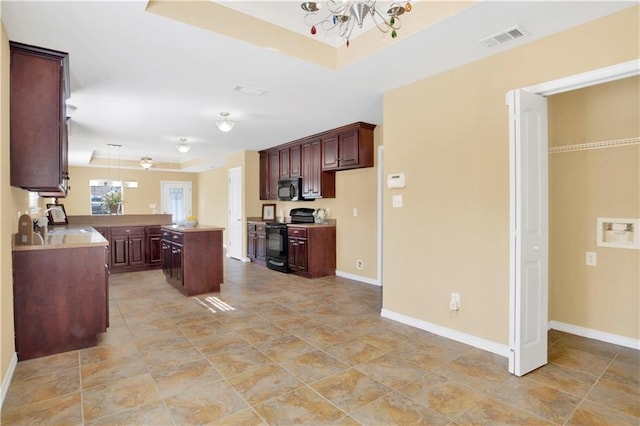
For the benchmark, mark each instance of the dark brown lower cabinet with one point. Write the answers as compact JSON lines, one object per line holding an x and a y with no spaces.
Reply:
{"x":154,"y":245}
{"x":192,"y":259}
{"x":257,"y":242}
{"x":312,"y":250}
{"x":127,"y":246}
{"x":60,"y":299}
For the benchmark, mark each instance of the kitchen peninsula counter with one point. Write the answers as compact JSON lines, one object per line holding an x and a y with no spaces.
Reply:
{"x":60,"y":290}
{"x":63,"y":237}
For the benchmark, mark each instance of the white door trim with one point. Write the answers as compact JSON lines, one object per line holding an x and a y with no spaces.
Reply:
{"x":578,"y":81}
{"x":236,"y":233}
{"x":380,"y":207}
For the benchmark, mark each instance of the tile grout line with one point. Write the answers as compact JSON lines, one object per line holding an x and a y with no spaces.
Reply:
{"x":584,"y":398}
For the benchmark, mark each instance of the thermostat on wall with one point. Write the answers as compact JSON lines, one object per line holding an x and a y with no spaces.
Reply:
{"x":395,"y":180}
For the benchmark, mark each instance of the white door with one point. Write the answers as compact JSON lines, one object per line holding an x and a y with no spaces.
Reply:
{"x":529,"y":231}
{"x":176,"y":199}
{"x":234,"y":246}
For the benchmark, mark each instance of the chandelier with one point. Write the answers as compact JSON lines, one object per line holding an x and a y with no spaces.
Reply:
{"x":146,"y":162}
{"x":344,"y":15}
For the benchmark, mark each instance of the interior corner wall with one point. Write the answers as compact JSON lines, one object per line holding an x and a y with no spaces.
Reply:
{"x":585,"y":185}
{"x":13,"y":200}
{"x":449,"y":134}
{"x":213,"y":199}
{"x":7,"y":345}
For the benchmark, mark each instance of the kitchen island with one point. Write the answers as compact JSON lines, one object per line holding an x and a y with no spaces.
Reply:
{"x":192,"y":258}
{"x":60,"y":292}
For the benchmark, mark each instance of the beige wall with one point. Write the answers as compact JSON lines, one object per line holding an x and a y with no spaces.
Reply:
{"x":136,"y":200}
{"x":449,"y":135}
{"x":584,"y":185}
{"x":356,"y":236}
{"x":12,"y":200}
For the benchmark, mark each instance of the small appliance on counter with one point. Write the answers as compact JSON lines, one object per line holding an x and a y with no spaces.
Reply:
{"x":302,"y":215}
{"x":25,"y":230}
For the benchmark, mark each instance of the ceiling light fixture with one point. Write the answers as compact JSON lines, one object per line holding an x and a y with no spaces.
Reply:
{"x":183,"y":146}
{"x":146,"y":162}
{"x":225,"y":125}
{"x":344,"y":15}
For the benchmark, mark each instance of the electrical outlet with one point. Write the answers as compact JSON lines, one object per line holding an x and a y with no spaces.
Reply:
{"x":355,"y":212}
{"x":454,"y":302}
{"x":359,"y":264}
{"x":591,"y":258}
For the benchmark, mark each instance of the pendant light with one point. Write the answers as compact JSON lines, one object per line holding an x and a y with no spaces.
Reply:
{"x":183,"y":146}
{"x":146,"y":162}
{"x":225,"y":124}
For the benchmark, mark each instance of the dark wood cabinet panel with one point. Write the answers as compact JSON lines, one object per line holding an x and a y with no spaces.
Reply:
{"x":285,"y":163}
{"x":60,"y":300}
{"x":330,"y":152}
{"x":257,"y":242}
{"x":119,"y":251}
{"x":252,"y":240}
{"x":297,"y":255}
{"x":154,"y":245}
{"x":269,"y":174}
{"x":290,"y":162}
{"x":295,"y":159}
{"x":193,"y":260}
{"x":265,"y":184}
{"x":38,"y":90}
{"x":128,"y":247}
{"x":349,"y":148}
{"x":312,"y":250}
{"x":274,"y":174}
{"x":315,"y":182}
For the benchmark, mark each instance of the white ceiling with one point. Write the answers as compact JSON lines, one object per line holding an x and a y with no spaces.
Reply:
{"x":144,"y":81}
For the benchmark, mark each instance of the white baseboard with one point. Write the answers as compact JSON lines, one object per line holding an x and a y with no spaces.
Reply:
{"x":6,"y":381}
{"x":595,"y":334}
{"x":468,"y":339}
{"x":360,"y":278}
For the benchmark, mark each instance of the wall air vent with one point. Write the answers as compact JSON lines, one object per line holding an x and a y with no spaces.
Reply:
{"x":504,"y":36}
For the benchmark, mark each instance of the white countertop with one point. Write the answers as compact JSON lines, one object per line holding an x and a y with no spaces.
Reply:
{"x":71,"y":236}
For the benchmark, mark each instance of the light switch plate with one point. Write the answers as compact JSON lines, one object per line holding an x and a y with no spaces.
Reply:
{"x":397,"y":201}
{"x":591,"y":258}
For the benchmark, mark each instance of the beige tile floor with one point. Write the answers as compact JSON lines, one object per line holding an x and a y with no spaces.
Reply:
{"x":275,"y":349}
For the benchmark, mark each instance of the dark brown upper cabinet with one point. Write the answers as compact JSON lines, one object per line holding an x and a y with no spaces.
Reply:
{"x":316,"y":158}
{"x":39,"y":86}
{"x":350,"y":147}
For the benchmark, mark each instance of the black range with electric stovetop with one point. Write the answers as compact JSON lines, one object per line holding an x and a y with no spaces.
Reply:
{"x":277,"y":238}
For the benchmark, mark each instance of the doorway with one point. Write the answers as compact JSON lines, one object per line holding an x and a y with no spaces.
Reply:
{"x":234,"y":246}
{"x":176,"y":199}
{"x":527,"y":345}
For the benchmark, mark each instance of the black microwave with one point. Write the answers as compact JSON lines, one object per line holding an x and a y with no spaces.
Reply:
{"x":290,"y":189}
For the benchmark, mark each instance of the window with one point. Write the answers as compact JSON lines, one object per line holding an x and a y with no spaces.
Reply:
{"x":102,"y":188}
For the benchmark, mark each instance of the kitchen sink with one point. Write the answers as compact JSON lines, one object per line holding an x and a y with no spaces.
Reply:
{"x":64,"y":231}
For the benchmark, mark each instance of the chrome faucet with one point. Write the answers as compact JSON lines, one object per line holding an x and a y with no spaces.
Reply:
{"x":43,"y":221}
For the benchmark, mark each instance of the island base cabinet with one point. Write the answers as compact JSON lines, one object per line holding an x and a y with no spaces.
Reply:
{"x":60,"y":300}
{"x":193,"y":260}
